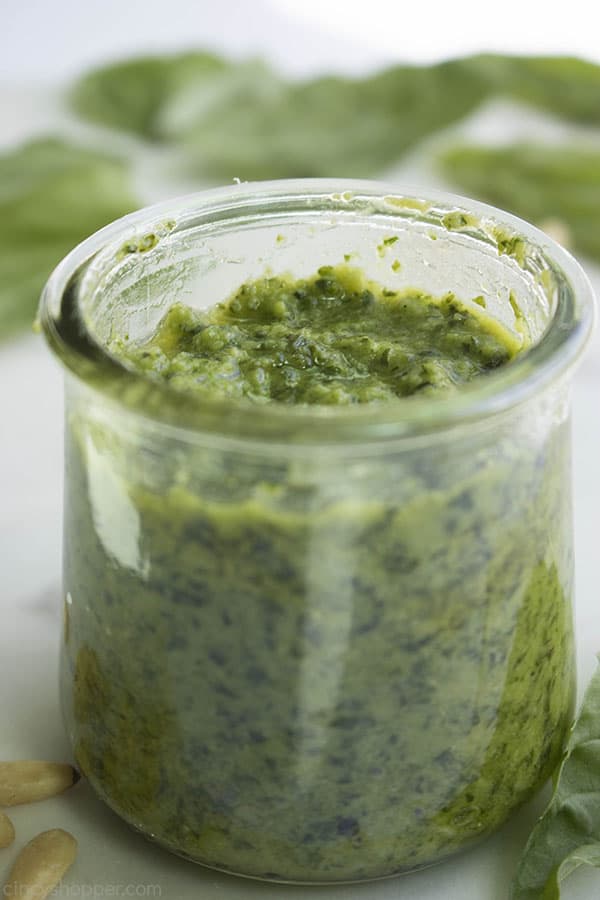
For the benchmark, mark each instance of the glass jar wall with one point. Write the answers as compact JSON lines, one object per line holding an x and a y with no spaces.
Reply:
{"x":308,"y":644}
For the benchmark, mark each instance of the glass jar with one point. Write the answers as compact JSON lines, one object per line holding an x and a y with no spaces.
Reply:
{"x":312,"y":644}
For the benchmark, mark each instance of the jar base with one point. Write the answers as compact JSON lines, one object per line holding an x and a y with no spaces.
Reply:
{"x":158,"y":841}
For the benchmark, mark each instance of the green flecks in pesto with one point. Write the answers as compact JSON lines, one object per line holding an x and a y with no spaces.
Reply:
{"x":520,"y":323}
{"x":544,"y":717}
{"x":146,"y":242}
{"x":457,"y":221}
{"x":233,"y":734}
{"x":141,"y":245}
{"x":132,"y":755}
{"x":510,"y":245}
{"x":385,"y":244}
{"x":335,"y":338}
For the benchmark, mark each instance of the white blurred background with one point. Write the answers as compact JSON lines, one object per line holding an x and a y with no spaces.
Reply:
{"x":52,"y":41}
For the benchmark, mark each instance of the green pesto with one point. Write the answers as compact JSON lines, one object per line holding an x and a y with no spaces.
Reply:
{"x":331,"y":339}
{"x":307,"y":671}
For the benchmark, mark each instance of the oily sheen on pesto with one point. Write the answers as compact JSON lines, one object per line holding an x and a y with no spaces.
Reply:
{"x":304,"y":671}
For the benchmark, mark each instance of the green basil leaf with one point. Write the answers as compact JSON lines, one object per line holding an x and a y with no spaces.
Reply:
{"x":52,"y":195}
{"x":242,"y":119}
{"x":331,"y":125}
{"x":540,"y":183}
{"x":566,"y":86}
{"x":132,"y":95}
{"x":568,"y":833}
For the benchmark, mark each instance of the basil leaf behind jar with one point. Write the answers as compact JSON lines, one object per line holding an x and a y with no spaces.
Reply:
{"x":538,"y":182}
{"x":330,"y":125}
{"x":568,"y":833}
{"x":566,"y":86}
{"x":242,"y":119}
{"x":132,"y":95}
{"x":52,"y":195}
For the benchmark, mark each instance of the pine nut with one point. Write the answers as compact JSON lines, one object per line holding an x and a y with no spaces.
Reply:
{"x":30,"y":780}
{"x":7,"y":831}
{"x":41,"y":864}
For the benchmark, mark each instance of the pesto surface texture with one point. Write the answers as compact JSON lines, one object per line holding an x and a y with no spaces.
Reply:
{"x":335,"y":338}
{"x":316,"y":667}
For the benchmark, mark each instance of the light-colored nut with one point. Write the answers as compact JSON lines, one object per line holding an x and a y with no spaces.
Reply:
{"x":40,"y":865}
{"x":30,"y":780}
{"x":7,"y":831}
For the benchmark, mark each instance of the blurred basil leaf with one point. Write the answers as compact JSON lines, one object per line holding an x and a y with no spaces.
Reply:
{"x":540,"y":183}
{"x":52,"y":195}
{"x":566,"y":86}
{"x":568,"y":834}
{"x":132,"y":95}
{"x":330,"y":126}
{"x":242,"y":119}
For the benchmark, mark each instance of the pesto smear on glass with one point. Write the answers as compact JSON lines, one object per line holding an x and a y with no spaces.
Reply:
{"x":335,"y":338}
{"x":311,"y":667}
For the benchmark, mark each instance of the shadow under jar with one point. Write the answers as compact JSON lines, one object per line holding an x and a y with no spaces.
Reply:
{"x":313,"y":644}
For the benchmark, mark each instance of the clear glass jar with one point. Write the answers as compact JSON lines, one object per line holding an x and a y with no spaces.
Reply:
{"x":316,"y":644}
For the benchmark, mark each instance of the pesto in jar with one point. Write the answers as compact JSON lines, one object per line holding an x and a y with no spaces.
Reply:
{"x":332,"y":339}
{"x":298,"y":669}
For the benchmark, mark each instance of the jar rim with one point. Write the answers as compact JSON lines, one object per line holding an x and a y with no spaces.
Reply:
{"x":550,"y":358}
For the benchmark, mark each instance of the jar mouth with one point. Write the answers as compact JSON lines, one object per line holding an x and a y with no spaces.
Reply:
{"x":548,"y":359}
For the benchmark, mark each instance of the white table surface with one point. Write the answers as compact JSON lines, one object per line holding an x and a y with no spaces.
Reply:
{"x":113,"y":861}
